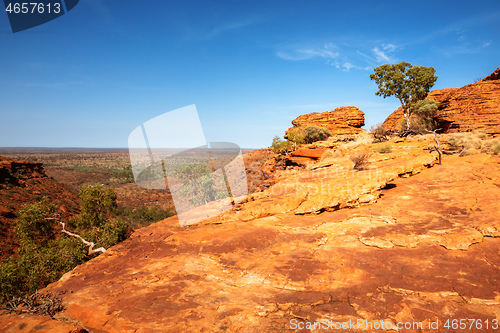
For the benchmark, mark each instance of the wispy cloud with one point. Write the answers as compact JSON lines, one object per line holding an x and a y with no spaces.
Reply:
{"x":328,"y":51}
{"x":345,"y":57}
{"x":464,"y":48}
{"x":487,"y":43}
{"x":233,"y":26}
{"x":383,"y":54}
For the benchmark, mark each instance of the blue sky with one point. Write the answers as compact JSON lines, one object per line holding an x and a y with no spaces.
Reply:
{"x":88,"y":78}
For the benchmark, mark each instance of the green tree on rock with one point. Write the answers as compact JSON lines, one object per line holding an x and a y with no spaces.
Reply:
{"x":408,"y":83}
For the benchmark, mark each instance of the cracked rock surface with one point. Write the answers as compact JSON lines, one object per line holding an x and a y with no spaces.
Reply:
{"x":423,"y":248}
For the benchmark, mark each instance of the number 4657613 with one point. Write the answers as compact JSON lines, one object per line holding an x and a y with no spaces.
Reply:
{"x":471,"y":324}
{"x":33,"y":8}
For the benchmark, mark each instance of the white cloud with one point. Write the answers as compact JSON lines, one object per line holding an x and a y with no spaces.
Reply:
{"x":347,"y":66}
{"x":328,"y":51}
{"x":389,"y":47}
{"x":381,"y":56}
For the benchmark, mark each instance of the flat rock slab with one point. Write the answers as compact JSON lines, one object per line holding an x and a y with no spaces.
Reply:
{"x":309,"y":153}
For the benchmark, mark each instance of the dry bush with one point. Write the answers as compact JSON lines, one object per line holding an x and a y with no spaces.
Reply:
{"x":496,"y":149}
{"x":468,"y":143}
{"x":38,"y":303}
{"x":421,"y":137}
{"x":360,"y":160}
{"x":330,"y":154}
{"x":492,"y":146}
{"x":360,"y":140}
{"x":379,"y":132}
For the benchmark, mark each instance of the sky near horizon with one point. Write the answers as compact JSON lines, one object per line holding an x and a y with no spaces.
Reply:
{"x":90,"y":77}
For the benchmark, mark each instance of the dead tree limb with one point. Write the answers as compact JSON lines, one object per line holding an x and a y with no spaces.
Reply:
{"x":437,"y":147}
{"x":87,"y":243}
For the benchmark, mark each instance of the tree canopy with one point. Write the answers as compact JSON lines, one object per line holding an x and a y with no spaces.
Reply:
{"x":406,"y":82}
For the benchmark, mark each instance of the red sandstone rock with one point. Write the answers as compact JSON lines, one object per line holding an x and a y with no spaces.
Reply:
{"x":304,"y":156}
{"x":493,"y":76}
{"x":473,"y":107}
{"x":342,"y":120}
{"x":392,"y":122}
{"x":427,"y":248}
{"x":309,"y":153}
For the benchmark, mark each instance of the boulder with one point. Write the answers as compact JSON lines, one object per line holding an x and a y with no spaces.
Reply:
{"x":342,"y":120}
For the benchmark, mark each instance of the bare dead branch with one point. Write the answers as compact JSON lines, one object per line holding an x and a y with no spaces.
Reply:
{"x":437,"y":147}
{"x":87,"y":243}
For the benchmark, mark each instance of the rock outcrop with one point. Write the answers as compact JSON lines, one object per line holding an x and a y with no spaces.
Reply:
{"x":392,"y":122}
{"x":304,"y":156}
{"x":343,"y":120}
{"x":24,"y":182}
{"x":473,"y":107}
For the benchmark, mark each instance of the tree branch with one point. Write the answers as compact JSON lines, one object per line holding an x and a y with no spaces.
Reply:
{"x":87,"y":243}
{"x":437,"y":147}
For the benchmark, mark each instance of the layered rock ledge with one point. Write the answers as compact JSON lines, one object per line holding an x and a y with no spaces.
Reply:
{"x":343,"y":120}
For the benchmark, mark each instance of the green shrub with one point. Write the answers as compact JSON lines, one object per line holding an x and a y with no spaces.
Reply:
{"x":43,"y":257}
{"x":384,"y":149}
{"x":295,"y":136}
{"x":38,"y":265}
{"x":96,"y":204}
{"x":199,"y":184}
{"x":316,"y":133}
{"x":143,"y":216}
{"x":112,"y":232}
{"x":33,"y":222}
{"x":280,"y":146}
{"x":423,"y":117}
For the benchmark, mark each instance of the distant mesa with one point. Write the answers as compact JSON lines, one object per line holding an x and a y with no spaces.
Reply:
{"x":475,"y":106}
{"x":345,"y":120}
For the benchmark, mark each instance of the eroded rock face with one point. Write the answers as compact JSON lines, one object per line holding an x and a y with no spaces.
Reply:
{"x":427,"y":248}
{"x":392,"y":122}
{"x":473,"y":107}
{"x":342,"y":120}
